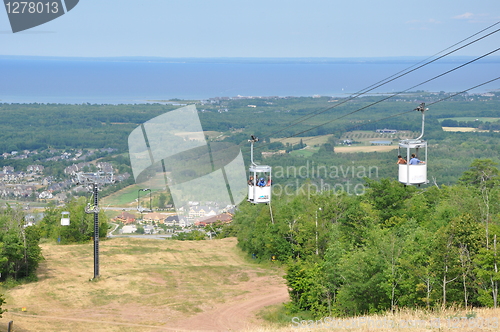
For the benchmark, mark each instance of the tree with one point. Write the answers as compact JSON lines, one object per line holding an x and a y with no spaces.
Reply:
{"x":162,"y":200}
{"x":487,"y":271}
{"x":19,"y":249}
{"x":2,"y":301}
{"x":140,"y":230}
{"x":483,"y":175}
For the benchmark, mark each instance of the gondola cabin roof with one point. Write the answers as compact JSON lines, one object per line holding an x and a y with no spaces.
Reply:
{"x":260,"y":168}
{"x":412,"y":143}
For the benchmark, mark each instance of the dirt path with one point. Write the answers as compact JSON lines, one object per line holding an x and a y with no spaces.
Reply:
{"x":239,"y":313}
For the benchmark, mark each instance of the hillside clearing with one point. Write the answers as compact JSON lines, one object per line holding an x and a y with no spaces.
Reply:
{"x":145,"y":285}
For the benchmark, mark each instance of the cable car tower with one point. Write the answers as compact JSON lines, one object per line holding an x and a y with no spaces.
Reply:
{"x":94,"y":181}
{"x":414,"y":171}
{"x":259,"y":183}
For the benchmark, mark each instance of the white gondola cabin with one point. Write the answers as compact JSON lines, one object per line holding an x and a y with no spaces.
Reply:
{"x":413,"y":173}
{"x":414,"y":152}
{"x":259,"y":184}
{"x":65,"y":218}
{"x":260,"y":180}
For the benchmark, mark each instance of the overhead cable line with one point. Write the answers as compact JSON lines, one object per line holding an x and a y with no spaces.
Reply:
{"x":429,"y":104}
{"x":406,"y":112}
{"x":389,"y":79}
{"x":388,"y":97}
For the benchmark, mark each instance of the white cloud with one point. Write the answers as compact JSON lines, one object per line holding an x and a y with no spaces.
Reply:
{"x":430,"y":20}
{"x":464,"y":16}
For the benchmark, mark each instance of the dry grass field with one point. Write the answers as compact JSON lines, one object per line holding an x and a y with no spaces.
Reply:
{"x":145,"y":285}
{"x":459,"y":129}
{"x":155,"y":285}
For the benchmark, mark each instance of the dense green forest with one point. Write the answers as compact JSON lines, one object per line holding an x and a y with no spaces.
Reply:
{"x":42,"y":126}
{"x":394,"y":246}
{"x":47,"y":126}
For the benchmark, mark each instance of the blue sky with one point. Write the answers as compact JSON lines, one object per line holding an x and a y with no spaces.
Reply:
{"x":270,"y":28}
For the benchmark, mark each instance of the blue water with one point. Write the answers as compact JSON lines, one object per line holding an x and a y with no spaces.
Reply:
{"x":114,"y":81}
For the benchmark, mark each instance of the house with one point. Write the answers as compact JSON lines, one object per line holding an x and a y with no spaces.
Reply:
{"x":347,"y":142}
{"x":105,"y":167}
{"x":75,"y":168}
{"x":201,"y":211}
{"x":149,"y":229}
{"x":172,"y":220}
{"x":184,"y":222}
{"x":154,"y":216}
{"x":224,"y":217}
{"x":45,"y":195}
{"x":35,"y":169}
{"x":125,"y":217}
{"x":8,"y":169}
{"x":46,"y":181}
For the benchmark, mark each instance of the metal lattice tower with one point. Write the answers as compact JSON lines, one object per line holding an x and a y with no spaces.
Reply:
{"x":95,"y":181}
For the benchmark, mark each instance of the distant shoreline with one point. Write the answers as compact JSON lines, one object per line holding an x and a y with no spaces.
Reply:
{"x":184,"y":102}
{"x":140,"y":80}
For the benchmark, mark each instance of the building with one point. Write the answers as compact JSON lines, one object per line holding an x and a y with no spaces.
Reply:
{"x":149,"y":229}
{"x":125,"y":217}
{"x":386,"y":131}
{"x":128,"y":229}
{"x":172,"y":221}
{"x":201,"y":211}
{"x":154,"y":216}
{"x":35,"y":168}
{"x":224,"y":217}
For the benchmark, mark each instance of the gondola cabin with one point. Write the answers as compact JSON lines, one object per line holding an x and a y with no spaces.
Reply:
{"x":412,"y":157}
{"x":414,"y":171}
{"x":65,"y":218}
{"x":259,"y":184}
{"x":259,"y":181}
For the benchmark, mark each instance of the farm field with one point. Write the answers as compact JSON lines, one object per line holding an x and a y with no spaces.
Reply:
{"x":309,"y":140}
{"x":461,"y":129}
{"x":124,"y":197}
{"x":365,"y":148}
{"x":471,"y":118}
{"x":145,"y":285}
{"x":307,"y":152}
{"x":366,"y":135}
